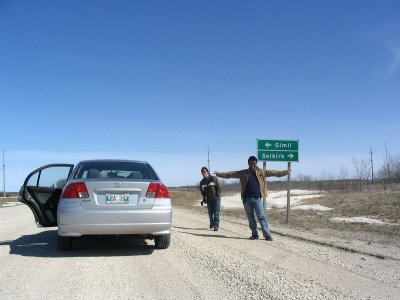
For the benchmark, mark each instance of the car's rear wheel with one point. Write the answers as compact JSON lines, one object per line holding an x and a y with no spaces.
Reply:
{"x":64,"y":243}
{"x":162,"y":241}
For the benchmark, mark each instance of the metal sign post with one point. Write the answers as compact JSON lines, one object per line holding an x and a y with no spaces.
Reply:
{"x":288,"y":194}
{"x":264,"y":200}
{"x":4,"y":177}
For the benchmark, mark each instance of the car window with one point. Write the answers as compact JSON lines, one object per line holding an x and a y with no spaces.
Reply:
{"x":33,"y":180}
{"x":107,"y":169}
{"x":53,"y":177}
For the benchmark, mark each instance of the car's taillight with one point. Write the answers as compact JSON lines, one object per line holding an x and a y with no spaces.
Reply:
{"x":157,"y":190}
{"x":76,"y":190}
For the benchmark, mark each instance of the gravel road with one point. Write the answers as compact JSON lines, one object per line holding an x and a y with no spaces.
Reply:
{"x":200,"y":264}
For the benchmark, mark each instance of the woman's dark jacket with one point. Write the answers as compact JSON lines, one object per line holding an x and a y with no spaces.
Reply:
{"x":210,"y":188}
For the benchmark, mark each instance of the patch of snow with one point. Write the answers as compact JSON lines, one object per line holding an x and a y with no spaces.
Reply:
{"x":232,"y":201}
{"x":316,"y":207}
{"x":7,"y":204}
{"x":279,"y":199}
{"x":359,"y":220}
{"x":274,"y":199}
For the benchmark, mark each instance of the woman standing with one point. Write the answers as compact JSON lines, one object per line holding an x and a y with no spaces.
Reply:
{"x":211,"y":192}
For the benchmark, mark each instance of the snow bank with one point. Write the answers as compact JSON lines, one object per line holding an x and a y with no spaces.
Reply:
{"x":10,"y":204}
{"x":274,"y":199}
{"x":359,"y":220}
{"x":316,"y":207}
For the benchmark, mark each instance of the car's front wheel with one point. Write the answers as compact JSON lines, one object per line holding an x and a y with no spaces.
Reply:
{"x":64,"y":243}
{"x":162,"y":241}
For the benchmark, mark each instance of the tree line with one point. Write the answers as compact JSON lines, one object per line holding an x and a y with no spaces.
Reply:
{"x":363,"y":177}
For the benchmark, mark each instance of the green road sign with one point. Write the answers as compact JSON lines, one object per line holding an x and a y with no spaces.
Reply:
{"x":277,"y":145}
{"x":278,"y":150}
{"x":278,"y":155}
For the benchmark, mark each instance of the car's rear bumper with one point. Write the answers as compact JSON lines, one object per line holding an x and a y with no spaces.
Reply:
{"x":94,"y":222}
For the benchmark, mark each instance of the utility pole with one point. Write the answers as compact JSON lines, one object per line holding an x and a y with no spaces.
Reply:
{"x":208,"y":159}
{"x":372,"y":165}
{"x":4,"y":177}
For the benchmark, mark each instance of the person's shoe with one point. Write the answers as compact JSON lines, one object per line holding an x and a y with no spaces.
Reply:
{"x":268,"y":238}
{"x":215,"y":229}
{"x":211,"y":225}
{"x":254,"y":237}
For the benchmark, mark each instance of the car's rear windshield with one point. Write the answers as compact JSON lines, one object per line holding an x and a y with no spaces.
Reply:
{"x":115,"y":169}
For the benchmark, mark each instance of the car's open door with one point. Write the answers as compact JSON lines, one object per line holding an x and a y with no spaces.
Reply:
{"x":42,"y":190}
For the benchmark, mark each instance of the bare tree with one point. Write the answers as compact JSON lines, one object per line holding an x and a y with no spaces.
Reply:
{"x":343,"y":175}
{"x":386,"y":170}
{"x":362,"y":171}
{"x":304,"y":178}
{"x":322,"y":183}
{"x":390,"y":169}
{"x":396,"y":167}
{"x":372,"y":165}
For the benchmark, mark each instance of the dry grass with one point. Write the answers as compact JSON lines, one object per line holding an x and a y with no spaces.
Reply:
{"x":380,"y":205}
{"x":185,"y":196}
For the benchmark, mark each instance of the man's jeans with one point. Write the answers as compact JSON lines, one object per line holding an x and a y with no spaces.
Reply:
{"x":213,"y":208}
{"x":256,"y":204}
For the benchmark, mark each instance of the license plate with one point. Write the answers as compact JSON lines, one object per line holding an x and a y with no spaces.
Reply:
{"x":117,"y":198}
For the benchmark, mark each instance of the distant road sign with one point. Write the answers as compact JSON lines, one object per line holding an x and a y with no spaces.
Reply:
{"x":278,"y":150}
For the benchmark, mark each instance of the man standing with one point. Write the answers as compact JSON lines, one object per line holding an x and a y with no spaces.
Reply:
{"x":254,"y":188}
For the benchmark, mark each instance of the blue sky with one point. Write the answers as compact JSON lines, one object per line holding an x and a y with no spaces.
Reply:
{"x":162,"y":81}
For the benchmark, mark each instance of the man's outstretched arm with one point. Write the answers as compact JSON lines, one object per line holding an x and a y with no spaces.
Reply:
{"x":231,"y":174}
{"x":275,"y":173}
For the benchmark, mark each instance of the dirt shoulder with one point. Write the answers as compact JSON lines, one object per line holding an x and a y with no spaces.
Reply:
{"x":345,"y":240}
{"x":317,"y":226}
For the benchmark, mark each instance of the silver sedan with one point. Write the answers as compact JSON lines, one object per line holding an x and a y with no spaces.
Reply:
{"x":100,"y":197}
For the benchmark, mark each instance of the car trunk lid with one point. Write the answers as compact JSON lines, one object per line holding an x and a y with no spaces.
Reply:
{"x":105,"y":195}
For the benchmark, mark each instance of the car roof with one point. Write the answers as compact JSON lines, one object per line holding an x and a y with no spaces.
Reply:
{"x":113,"y":160}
